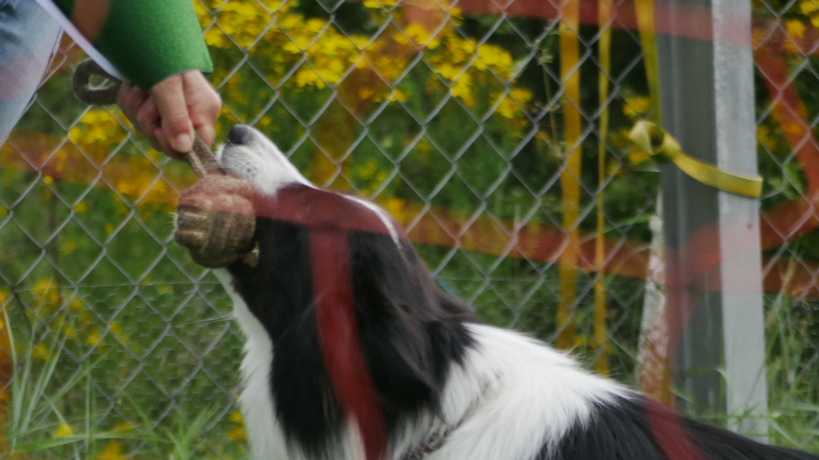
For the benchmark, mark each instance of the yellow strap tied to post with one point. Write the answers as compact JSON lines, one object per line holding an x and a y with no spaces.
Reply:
{"x":664,"y":148}
{"x":648,"y":40}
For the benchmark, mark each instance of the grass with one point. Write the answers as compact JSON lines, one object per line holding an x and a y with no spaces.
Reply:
{"x":85,"y":390}
{"x":97,"y":381}
{"x":793,"y":366}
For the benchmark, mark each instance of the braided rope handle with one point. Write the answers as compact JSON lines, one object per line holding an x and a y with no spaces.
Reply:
{"x":200,"y":159}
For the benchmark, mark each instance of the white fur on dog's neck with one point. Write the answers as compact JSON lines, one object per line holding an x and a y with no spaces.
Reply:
{"x":514,"y":387}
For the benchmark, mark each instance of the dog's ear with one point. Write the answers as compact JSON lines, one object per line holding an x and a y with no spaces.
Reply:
{"x":406,"y":330}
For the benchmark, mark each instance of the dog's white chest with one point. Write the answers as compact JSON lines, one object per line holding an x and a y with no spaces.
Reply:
{"x":265,"y":434}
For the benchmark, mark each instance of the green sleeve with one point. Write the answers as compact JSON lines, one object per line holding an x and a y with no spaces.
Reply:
{"x":150,"y":40}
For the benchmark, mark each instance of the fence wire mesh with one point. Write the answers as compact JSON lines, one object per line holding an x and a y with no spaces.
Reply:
{"x":785,"y":43}
{"x":449,"y":115}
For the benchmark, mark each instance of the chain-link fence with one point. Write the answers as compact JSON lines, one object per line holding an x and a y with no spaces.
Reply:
{"x":523,"y":195}
{"x":785,"y":40}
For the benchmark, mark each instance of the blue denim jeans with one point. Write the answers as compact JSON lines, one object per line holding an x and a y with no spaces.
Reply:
{"x":28,"y":39}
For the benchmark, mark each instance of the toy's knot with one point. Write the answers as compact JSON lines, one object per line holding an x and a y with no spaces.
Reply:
{"x":216,"y":221}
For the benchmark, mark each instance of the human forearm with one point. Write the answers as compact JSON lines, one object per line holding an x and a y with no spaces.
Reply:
{"x":145,"y":40}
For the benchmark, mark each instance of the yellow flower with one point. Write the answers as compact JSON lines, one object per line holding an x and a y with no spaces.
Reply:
{"x":68,"y":331}
{"x":80,"y":207}
{"x":763,"y":134}
{"x":112,"y":451}
{"x":116,"y":329}
{"x":237,"y":434}
{"x":793,"y":127}
{"x":395,"y":207}
{"x":636,"y":106}
{"x":76,"y":304}
{"x":40,"y":351}
{"x":521,"y":95}
{"x":379,"y":3}
{"x":243,"y":21}
{"x":97,"y":128}
{"x":637,"y":156}
{"x":807,"y":7}
{"x":62,"y":431}
{"x":367,"y":170}
{"x":496,"y":58}
{"x":93,"y":338}
{"x":67,"y":247}
{"x":123,"y":426}
{"x":795,"y":28}
{"x":203,"y":14}
{"x":398,"y":95}
{"x":306,"y":76}
{"x":508,"y":108}
{"x":462,"y":88}
{"x":46,"y":291}
{"x":421,"y":36}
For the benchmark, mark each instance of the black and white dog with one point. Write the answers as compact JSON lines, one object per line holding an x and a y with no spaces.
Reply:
{"x":450,"y":387}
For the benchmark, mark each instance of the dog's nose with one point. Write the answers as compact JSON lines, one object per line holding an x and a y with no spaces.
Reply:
{"x":240,"y":134}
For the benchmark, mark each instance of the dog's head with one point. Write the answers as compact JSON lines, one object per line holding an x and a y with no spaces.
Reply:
{"x":248,"y":155}
{"x":286,"y":194}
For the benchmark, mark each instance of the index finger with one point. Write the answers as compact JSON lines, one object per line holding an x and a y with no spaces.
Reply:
{"x":170,"y":100}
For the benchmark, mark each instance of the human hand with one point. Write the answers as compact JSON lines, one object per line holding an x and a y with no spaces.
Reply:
{"x":171,"y":110}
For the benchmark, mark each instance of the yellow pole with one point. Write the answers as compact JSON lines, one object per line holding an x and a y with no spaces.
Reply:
{"x":570,"y":177}
{"x":604,"y":57}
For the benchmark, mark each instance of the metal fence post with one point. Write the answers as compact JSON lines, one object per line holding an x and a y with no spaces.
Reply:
{"x":706,"y":77}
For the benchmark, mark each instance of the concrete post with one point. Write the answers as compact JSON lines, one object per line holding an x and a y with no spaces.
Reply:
{"x":715,"y":302}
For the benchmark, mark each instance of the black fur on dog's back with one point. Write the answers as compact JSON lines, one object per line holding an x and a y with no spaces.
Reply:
{"x":641,"y":429}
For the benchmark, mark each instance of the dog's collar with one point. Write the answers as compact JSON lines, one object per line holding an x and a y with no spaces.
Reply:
{"x":432,"y":443}
{"x":434,"y":440}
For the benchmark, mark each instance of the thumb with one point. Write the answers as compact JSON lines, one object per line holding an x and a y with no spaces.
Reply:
{"x":170,"y":101}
